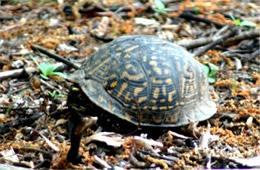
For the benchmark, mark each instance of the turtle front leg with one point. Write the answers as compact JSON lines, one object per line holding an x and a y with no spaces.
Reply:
{"x":76,"y":126}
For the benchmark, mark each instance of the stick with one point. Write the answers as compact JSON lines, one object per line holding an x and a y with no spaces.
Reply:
{"x":189,"y":44}
{"x":16,"y":73}
{"x":55,"y":56}
{"x":190,"y":16}
{"x":221,"y":39}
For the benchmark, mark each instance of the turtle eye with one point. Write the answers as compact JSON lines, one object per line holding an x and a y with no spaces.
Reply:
{"x":75,"y":89}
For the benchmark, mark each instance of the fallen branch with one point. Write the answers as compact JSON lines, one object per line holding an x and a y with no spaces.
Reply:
{"x":16,"y":73}
{"x":7,"y":18}
{"x":243,"y":36}
{"x":17,"y":108}
{"x":221,"y":39}
{"x":190,"y":16}
{"x":55,"y":56}
{"x":189,"y":44}
{"x":19,"y":122}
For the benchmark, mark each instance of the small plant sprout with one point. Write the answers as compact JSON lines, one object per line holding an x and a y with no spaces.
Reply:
{"x":159,"y":6}
{"x":244,"y":23}
{"x":196,"y":10}
{"x":47,"y":69}
{"x":234,"y":87}
{"x":55,"y":95}
{"x":211,"y":71}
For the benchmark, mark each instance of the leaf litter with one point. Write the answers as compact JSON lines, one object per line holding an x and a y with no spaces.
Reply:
{"x":33,"y":110}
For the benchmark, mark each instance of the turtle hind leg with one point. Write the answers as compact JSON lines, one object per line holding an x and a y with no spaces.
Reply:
{"x":75,"y":138}
{"x":76,"y":126}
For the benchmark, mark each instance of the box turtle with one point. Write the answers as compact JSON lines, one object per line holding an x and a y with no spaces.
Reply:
{"x":146,"y":81}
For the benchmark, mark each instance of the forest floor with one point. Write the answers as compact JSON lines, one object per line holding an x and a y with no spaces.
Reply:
{"x":222,"y":34}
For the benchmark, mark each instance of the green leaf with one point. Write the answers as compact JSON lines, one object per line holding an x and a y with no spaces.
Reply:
{"x":197,"y":10}
{"x":61,"y":96}
{"x":55,"y":95}
{"x":60,"y":74}
{"x":47,"y":69}
{"x":234,"y":86}
{"x":44,"y":77}
{"x":244,"y":23}
{"x":247,"y":23}
{"x":232,"y":17}
{"x":211,"y":80}
{"x":160,"y":7}
{"x":213,"y":70}
{"x":34,"y":60}
{"x":237,"y":22}
{"x":52,"y":94}
{"x":159,"y":4}
{"x":206,"y":68}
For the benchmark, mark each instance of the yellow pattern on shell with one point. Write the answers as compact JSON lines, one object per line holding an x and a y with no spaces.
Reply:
{"x":154,"y":81}
{"x":168,"y":81}
{"x":164,"y":91}
{"x":137,"y":90}
{"x":132,"y":77}
{"x":170,"y":96}
{"x":131,"y":48}
{"x":163,"y":108}
{"x":142,"y":99}
{"x":127,"y":56}
{"x":122,"y":89}
{"x":113,"y":84}
{"x":158,"y":70}
{"x":156,"y":93}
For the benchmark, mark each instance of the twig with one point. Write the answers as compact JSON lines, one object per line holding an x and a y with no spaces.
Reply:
{"x":136,"y":162}
{"x":222,"y":31}
{"x":35,"y":149}
{"x":19,"y":166}
{"x":19,"y":122}
{"x":189,"y":44}
{"x":16,"y":73}
{"x":174,"y":159}
{"x":256,"y":53}
{"x":190,"y":16}
{"x":201,"y":51}
{"x":9,"y":28}
{"x":17,"y":108}
{"x":101,"y":162}
{"x":7,"y":18}
{"x":243,"y":36}
{"x":50,"y":86}
{"x":177,"y":135}
{"x":55,"y":56}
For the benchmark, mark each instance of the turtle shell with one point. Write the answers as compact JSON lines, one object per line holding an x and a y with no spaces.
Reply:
{"x":146,"y":81}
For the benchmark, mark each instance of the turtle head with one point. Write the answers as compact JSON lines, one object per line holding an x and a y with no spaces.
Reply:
{"x":76,"y":77}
